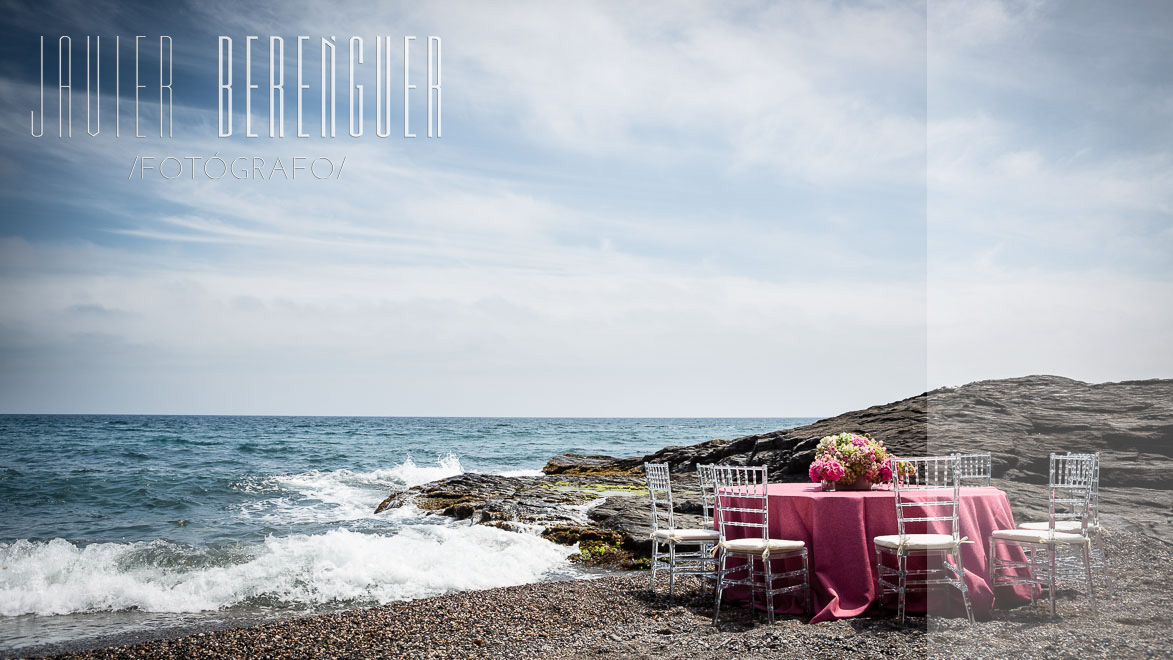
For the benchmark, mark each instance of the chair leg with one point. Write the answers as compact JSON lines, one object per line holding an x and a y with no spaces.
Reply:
{"x":1103,"y":555}
{"x":716,"y":569}
{"x":902,"y":583}
{"x":769,"y":586}
{"x":1035,"y":589}
{"x":1087,"y":564}
{"x":655,"y":562}
{"x":753,"y":592}
{"x":808,"y":606}
{"x":1050,"y":580}
{"x":992,"y":565}
{"x":720,"y":587}
{"x":964,"y":586}
{"x":671,"y":570}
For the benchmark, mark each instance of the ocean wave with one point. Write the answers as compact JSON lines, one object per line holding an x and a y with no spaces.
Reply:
{"x":336,"y":495}
{"x":59,"y":577}
{"x":410,"y":474}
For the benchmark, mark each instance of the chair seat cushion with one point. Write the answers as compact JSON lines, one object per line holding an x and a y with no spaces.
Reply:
{"x":697,"y":535}
{"x":1069,"y":526}
{"x":1036,"y":536}
{"x":758,"y":546}
{"x":917,"y":541}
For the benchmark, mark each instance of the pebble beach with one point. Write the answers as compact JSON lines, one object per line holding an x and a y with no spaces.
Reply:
{"x":616,"y":616}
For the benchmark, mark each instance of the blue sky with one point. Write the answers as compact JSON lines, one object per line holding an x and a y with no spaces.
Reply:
{"x":685,"y":209}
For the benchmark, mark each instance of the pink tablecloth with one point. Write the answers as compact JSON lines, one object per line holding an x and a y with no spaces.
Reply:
{"x":838,"y":528}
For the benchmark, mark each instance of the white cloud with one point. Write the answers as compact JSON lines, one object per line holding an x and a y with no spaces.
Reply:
{"x":642,"y":343}
{"x":1050,"y":222}
{"x":815,"y":92}
{"x":551,"y":256}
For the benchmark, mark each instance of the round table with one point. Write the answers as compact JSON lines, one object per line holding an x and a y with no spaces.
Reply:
{"x":838,"y":528}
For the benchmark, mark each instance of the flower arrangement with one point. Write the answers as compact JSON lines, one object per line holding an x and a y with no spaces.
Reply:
{"x":849,"y":460}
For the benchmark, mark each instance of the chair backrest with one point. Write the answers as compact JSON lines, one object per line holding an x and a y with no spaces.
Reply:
{"x":1094,"y":504}
{"x":976,"y":469}
{"x":927,"y":489}
{"x":660,"y":494}
{"x":705,"y":481}
{"x":741,"y":499}
{"x":1073,"y":477}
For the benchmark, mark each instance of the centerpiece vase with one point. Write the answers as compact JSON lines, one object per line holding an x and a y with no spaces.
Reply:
{"x":861,"y":483}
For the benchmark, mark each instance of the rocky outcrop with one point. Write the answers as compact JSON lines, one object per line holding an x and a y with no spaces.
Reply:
{"x":1019,"y":420}
{"x":788,"y":453}
{"x":562,"y":508}
{"x":582,"y":464}
{"x":1022,"y":420}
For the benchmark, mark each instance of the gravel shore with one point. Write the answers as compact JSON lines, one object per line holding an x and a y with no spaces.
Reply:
{"x":617,"y":617}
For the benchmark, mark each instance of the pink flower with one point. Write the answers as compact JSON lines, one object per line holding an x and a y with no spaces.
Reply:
{"x":848,"y":456}
{"x":826,"y":469}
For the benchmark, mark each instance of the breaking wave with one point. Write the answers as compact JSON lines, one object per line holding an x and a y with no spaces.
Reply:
{"x":338,"y":566}
{"x":336,"y":495}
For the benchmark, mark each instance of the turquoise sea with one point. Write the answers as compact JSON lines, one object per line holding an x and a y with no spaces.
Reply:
{"x":115,"y":524}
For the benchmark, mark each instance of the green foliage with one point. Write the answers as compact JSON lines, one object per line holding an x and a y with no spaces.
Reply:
{"x":596,"y":552}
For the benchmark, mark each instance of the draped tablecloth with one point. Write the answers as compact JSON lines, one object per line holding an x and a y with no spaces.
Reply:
{"x":838,"y":528}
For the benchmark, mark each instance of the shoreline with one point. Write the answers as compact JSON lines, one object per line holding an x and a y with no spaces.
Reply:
{"x":617,"y":617}
{"x":129,"y":638}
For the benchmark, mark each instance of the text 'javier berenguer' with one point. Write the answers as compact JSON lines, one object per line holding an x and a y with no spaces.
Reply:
{"x":276,"y":87}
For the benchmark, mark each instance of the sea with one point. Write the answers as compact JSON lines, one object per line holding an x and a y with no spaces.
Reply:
{"x":116,"y":525}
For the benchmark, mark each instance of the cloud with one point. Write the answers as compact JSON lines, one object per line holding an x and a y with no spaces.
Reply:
{"x":727,"y":343}
{"x":684,"y":209}
{"x":813,"y":92}
{"x":1049,"y":190}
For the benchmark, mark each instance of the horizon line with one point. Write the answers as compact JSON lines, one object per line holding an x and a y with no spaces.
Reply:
{"x":107,"y":414}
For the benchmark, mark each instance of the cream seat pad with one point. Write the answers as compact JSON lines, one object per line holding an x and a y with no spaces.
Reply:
{"x":758,"y":546}
{"x":1036,"y":536}
{"x":1069,"y":526}
{"x":688,"y":535}
{"x":917,"y":541}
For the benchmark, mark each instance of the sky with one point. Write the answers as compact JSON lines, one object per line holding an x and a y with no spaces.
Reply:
{"x":662,"y":209}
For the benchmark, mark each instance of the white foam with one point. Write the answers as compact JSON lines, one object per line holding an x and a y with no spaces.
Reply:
{"x":338,"y":495}
{"x":521,"y":473}
{"x":58,"y":577}
{"x":410,"y":474}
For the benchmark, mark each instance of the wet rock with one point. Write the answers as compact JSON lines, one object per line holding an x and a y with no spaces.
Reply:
{"x":581,"y":464}
{"x":631,"y":517}
{"x":526,"y":503}
{"x":565,"y":534}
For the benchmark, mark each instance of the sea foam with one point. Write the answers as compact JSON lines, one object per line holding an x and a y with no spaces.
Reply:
{"x":325,"y":496}
{"x":339,"y":566}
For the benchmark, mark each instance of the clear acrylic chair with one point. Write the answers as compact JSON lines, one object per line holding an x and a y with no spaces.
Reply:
{"x":927,"y":497}
{"x":741,"y":503}
{"x":1070,"y":486}
{"x":706,"y":482}
{"x":976,"y":469}
{"x":696,"y":559}
{"x":1068,"y":564}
